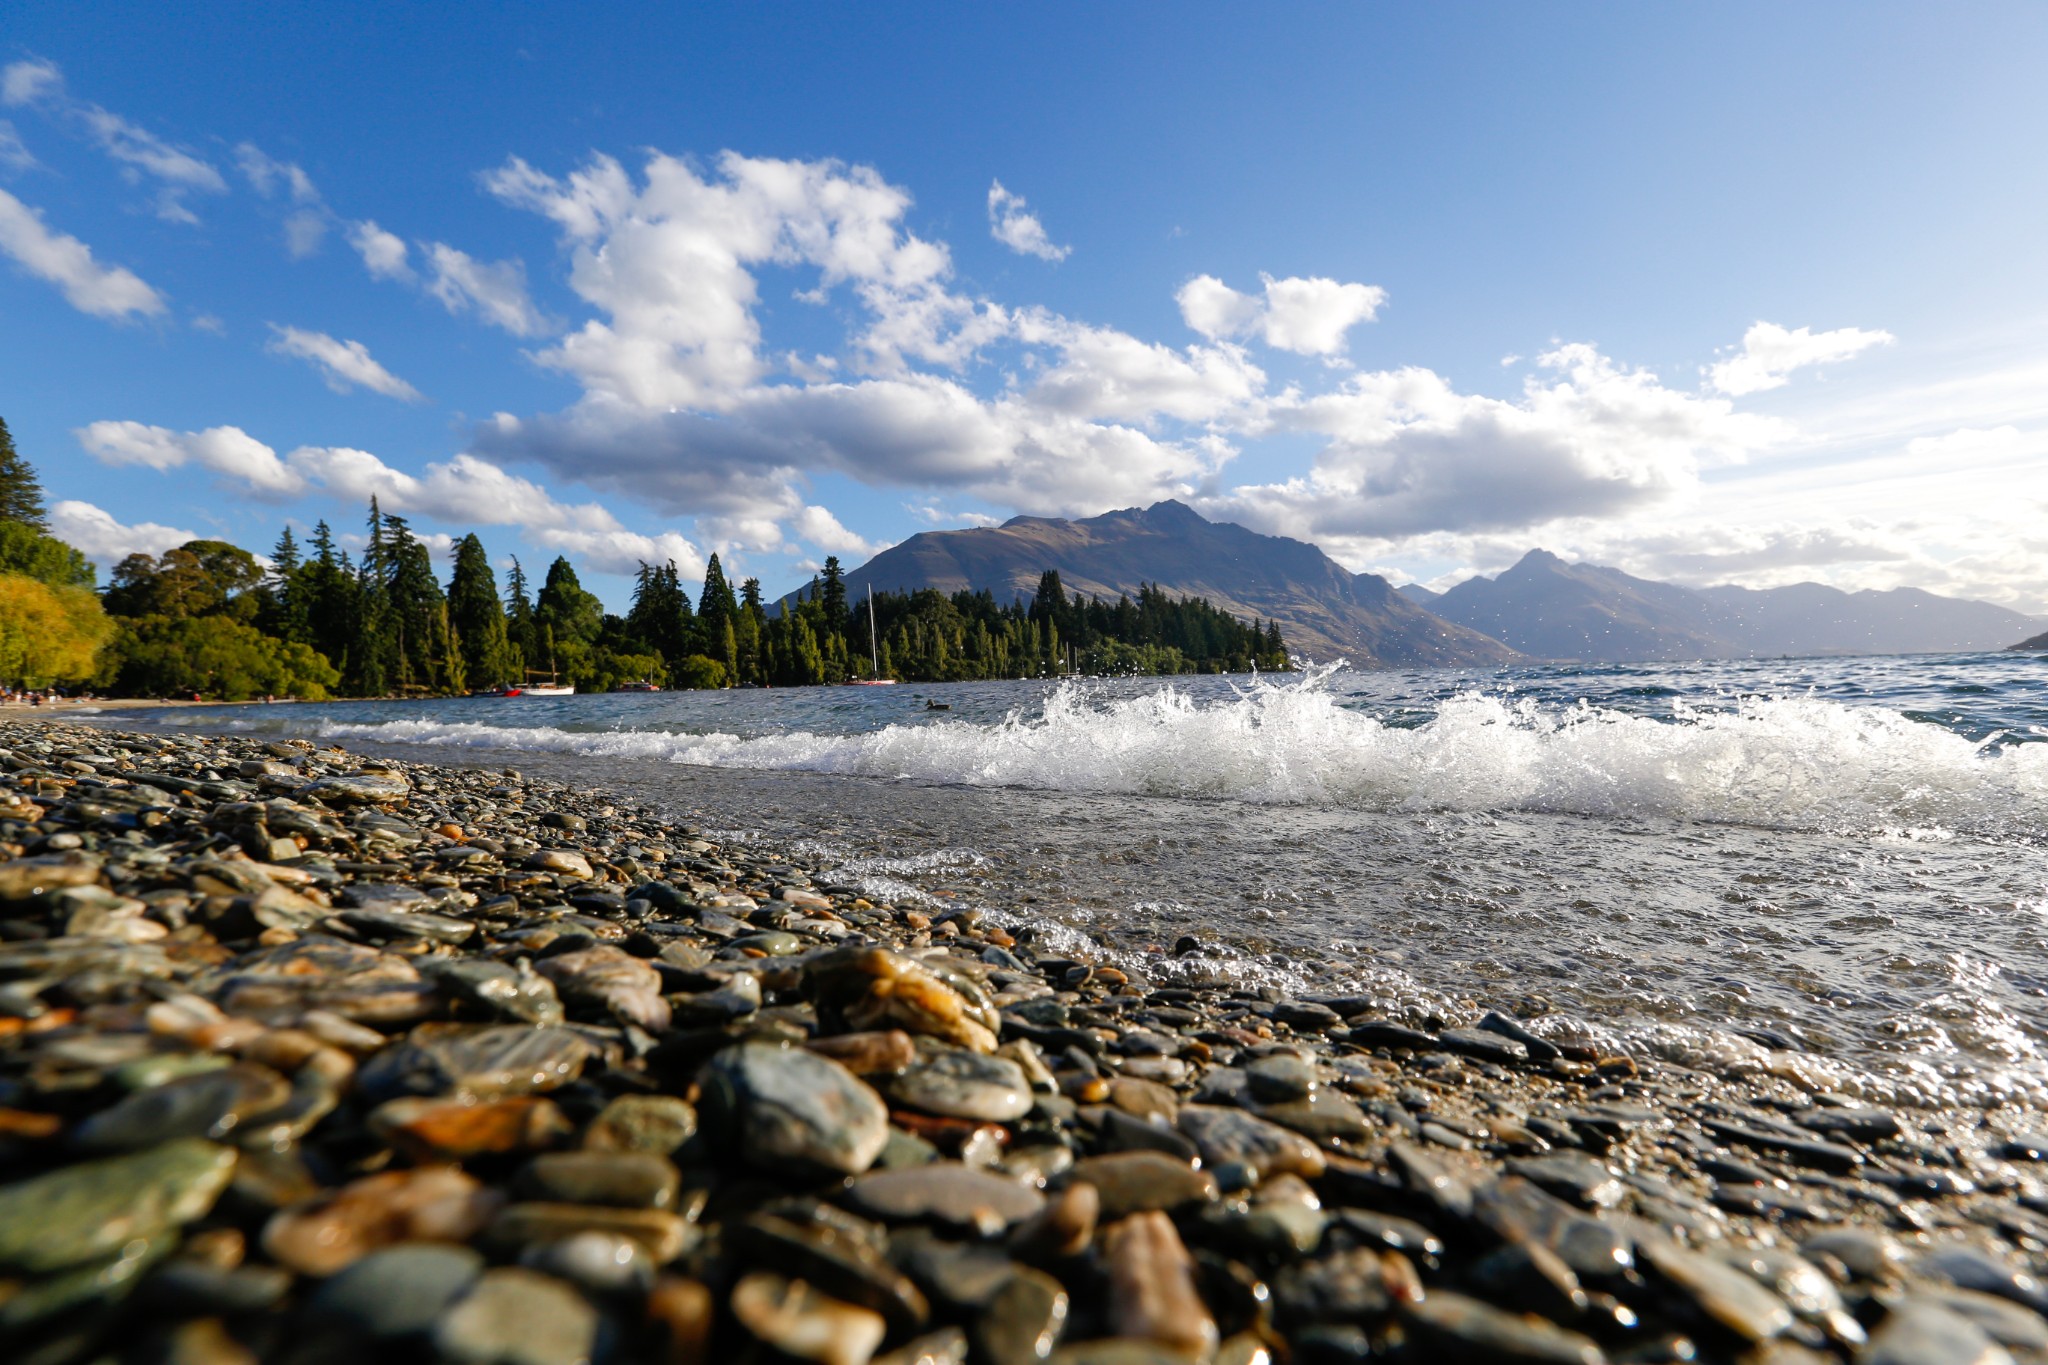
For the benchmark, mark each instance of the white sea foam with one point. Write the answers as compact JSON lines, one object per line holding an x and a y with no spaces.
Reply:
{"x":1781,"y":762}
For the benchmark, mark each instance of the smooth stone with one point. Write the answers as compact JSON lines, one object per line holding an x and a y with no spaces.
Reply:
{"x":861,"y":988}
{"x":627,"y":1180}
{"x":795,"y":1106}
{"x":802,"y":1322}
{"x":1721,"y":1292}
{"x":599,"y":1262}
{"x":207,"y":1105}
{"x":1226,"y":1135}
{"x":1864,"y":1252}
{"x":186,"y":1286}
{"x":1117,"y":1131}
{"x":2005,"y":1322}
{"x":484,"y":1060}
{"x":1858,"y":1125}
{"x":961,"y":1276}
{"x":1143,"y":1182}
{"x":499,"y":989}
{"x":1023,"y":1321}
{"x":1482,"y":1045}
{"x":660,"y":1124}
{"x":400,"y":926}
{"x":946,"y":1193}
{"x":91,"y":1210}
{"x":840,"y":1255}
{"x":1152,"y":1292}
{"x":957,"y":1083}
{"x":1820,"y":1156}
{"x":1326,"y":1116}
{"x":515,"y":1316}
{"x":665,"y":1235}
{"x":1457,"y":1328}
{"x":1584,"y":1180}
{"x":1349,"y":1286}
{"x":1539,"y":1049}
{"x":362,"y":788}
{"x":610,"y":978}
{"x":1064,"y":1227}
{"x":25,"y":878}
{"x":1919,"y":1332}
{"x":1404,"y":1235}
{"x":1969,"y":1267}
{"x":100,"y":1285}
{"x":1517,"y":1211}
{"x":432,"y":1204}
{"x":397,"y":1292}
{"x":565,"y":861}
{"x":945,"y":1347}
{"x":1280,"y":1077}
{"x":452,"y":1130}
{"x":868,"y":1054}
{"x":684,"y":1312}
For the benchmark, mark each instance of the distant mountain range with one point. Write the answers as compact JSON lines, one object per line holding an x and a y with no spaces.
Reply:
{"x":1548,"y":608}
{"x":1325,"y":611}
{"x":1543,"y":607}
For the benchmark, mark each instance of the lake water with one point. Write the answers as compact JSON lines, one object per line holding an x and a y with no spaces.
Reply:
{"x":1849,"y":855}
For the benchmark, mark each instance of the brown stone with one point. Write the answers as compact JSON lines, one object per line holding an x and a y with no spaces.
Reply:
{"x":868,"y":1054}
{"x":450,"y":1130}
{"x":1152,"y":1294}
{"x":432,"y":1204}
{"x":684,"y":1312}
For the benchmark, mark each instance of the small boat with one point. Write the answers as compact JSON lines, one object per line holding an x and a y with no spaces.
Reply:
{"x":644,"y":685}
{"x":543,"y":690}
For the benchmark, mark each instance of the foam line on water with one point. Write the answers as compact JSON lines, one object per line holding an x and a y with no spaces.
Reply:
{"x":1786,"y":762}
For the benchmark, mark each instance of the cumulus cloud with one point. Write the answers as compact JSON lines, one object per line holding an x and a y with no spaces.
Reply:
{"x":101,"y":290}
{"x":1409,"y":454}
{"x":496,"y":290}
{"x":344,"y":365}
{"x":142,"y":154}
{"x":1017,"y":228}
{"x":817,"y":526}
{"x":1770,"y":353}
{"x":462,"y":491}
{"x":227,"y":451}
{"x":104,"y":540}
{"x":1308,"y":316}
{"x":384,"y":253}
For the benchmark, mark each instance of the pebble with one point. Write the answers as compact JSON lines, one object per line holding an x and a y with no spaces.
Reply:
{"x":795,"y":1106}
{"x":947,"y":1193}
{"x":515,"y":1316}
{"x":399,"y":1292}
{"x":91,"y":1210}
{"x":1152,"y":1293}
{"x":801,"y":1322}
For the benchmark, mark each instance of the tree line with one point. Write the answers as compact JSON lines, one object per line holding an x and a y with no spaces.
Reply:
{"x":210,"y":618}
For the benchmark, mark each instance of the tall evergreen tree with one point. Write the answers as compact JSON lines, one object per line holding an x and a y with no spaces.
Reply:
{"x":21,"y":493}
{"x":522,"y":634}
{"x":833,"y":595}
{"x":659,"y":619}
{"x":477,"y":619}
{"x":564,"y":607}
{"x":716,"y":605}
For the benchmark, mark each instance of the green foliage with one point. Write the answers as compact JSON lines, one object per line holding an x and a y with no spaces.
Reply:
{"x":21,"y":494}
{"x":216,"y":656}
{"x":477,"y":618}
{"x":700,"y":671}
{"x":27,"y":551}
{"x":575,"y":616}
{"x":199,"y":578}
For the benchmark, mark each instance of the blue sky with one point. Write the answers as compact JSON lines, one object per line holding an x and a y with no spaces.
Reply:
{"x":1732,"y":293}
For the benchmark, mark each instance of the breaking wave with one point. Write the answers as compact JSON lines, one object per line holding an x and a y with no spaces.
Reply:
{"x":1796,"y":762}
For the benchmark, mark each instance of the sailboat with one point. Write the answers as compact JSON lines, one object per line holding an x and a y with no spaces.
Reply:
{"x":874,"y":651}
{"x":553,"y":687}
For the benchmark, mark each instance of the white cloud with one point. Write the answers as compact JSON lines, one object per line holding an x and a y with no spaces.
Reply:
{"x":819,"y":527}
{"x":106,"y":541}
{"x":143,"y":154}
{"x":208,"y":323}
{"x":305,"y":227}
{"x":1409,"y":454}
{"x":30,"y":82}
{"x":1010,"y":223}
{"x":227,"y":451}
{"x":383,"y":253}
{"x":497,"y":291}
{"x":14,"y":153}
{"x":1308,"y":316}
{"x":462,"y":491}
{"x":343,"y":364}
{"x":1771,"y":353}
{"x":101,"y":290}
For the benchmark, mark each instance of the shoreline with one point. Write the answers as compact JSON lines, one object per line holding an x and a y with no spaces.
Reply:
{"x":640,"y":1078}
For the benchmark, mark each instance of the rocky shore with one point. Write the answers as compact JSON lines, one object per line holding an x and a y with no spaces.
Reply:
{"x":309,"y":1058}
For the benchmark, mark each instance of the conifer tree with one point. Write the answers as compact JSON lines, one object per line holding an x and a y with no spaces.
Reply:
{"x":21,"y":493}
{"x":476,"y":618}
{"x":522,"y":633}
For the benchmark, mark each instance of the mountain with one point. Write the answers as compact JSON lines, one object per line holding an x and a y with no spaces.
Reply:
{"x":1554,"y":610}
{"x":1324,"y":610}
{"x":2038,"y":642}
{"x":1548,"y":608}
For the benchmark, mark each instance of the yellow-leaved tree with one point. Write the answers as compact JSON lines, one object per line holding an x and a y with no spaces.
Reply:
{"x":49,"y":634}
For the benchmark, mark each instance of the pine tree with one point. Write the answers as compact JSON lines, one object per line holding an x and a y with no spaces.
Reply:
{"x":477,"y":619}
{"x":21,"y":493}
{"x":522,"y":633}
{"x":716,"y":605}
{"x":832,"y":595}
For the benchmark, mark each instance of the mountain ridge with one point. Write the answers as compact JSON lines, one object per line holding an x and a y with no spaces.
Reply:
{"x":1324,"y":610}
{"x":1548,"y":608}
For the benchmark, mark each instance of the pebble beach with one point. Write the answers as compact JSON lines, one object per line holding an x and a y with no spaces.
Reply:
{"x":312,"y":1057}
